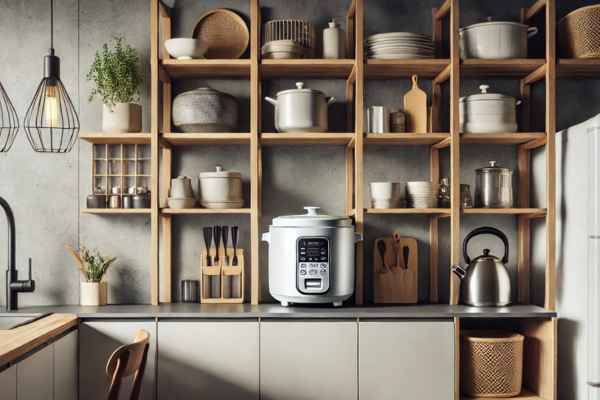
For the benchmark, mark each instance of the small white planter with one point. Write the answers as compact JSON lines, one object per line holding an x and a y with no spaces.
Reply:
{"x":122,"y":117}
{"x":94,"y":293}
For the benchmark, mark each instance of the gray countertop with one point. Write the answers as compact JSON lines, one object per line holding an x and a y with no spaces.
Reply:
{"x":226,"y":311}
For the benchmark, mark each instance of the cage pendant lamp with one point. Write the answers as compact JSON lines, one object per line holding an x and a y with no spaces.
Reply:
{"x":9,"y":121}
{"x":51,"y":122}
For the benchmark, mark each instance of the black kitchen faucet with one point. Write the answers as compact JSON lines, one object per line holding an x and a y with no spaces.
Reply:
{"x":14,"y":286}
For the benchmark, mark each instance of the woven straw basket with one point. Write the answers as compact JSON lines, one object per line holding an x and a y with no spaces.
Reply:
{"x":492,"y":363}
{"x":579,"y":33}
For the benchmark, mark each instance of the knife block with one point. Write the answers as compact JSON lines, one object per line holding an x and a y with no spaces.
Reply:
{"x":398,"y":283}
{"x":230,"y":277}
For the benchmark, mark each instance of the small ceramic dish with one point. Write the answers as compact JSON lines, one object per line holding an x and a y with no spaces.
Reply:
{"x":184,"y":48}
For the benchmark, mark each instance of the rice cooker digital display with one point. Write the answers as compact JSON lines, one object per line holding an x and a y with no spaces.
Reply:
{"x":313,"y":261}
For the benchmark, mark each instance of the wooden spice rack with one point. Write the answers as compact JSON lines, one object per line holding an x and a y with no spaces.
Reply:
{"x":223,"y":271}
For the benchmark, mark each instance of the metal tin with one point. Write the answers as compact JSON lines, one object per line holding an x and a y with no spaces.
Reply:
{"x":189,"y":291}
{"x":127,"y":201}
{"x":140,"y":200}
{"x":115,"y":201}
{"x":378,"y":119}
{"x":493,"y":187}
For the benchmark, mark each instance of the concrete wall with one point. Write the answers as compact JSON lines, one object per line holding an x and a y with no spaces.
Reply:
{"x":47,"y":191}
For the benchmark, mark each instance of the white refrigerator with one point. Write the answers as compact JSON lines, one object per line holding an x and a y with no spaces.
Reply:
{"x":578,"y":260}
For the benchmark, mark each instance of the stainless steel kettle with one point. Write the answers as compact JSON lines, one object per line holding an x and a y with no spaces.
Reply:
{"x":485,"y":282}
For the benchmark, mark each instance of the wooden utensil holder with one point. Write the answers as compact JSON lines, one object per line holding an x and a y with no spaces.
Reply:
{"x":396,"y":282}
{"x":234,"y":274}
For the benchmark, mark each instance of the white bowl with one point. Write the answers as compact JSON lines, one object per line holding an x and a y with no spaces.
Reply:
{"x":184,"y":48}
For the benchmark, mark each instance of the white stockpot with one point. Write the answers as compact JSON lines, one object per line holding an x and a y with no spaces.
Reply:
{"x":488,"y":112}
{"x":221,"y":189}
{"x":495,"y":40}
{"x":311,"y":258}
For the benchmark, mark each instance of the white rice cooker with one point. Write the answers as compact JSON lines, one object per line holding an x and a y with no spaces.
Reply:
{"x":311,"y":258}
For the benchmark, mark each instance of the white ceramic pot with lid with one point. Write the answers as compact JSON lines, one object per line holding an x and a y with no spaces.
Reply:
{"x":311,"y":258}
{"x":221,"y":189}
{"x":488,"y":112}
{"x":495,"y":40}
{"x":301,"y":110}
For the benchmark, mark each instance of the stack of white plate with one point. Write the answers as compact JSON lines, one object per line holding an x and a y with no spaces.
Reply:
{"x":395,"y":45}
{"x":422,"y":194}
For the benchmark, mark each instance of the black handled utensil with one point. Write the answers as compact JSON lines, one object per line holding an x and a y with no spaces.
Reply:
{"x":381,"y":249}
{"x":225,"y":233}
{"x":207,"y":243}
{"x":405,"y":255}
{"x":217,"y":235}
{"x":234,"y":241}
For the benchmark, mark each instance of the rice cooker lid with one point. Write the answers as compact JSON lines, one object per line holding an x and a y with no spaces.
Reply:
{"x":301,"y":89}
{"x":484,"y":95}
{"x":219,"y":172}
{"x":312,"y":218}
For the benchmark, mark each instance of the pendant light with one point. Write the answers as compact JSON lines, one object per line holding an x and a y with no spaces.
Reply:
{"x":51,"y":122}
{"x":9,"y":121}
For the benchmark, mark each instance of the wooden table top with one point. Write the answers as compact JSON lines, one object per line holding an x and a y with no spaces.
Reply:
{"x":15,"y":343}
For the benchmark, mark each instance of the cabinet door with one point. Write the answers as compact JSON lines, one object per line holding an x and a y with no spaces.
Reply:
{"x":406,"y":360}
{"x":8,"y":383}
{"x":35,"y":378}
{"x":97,"y":340}
{"x":208,"y":359}
{"x":301,"y":360}
{"x":65,"y":367}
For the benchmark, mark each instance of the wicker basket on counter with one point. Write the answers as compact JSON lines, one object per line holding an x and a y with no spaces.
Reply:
{"x":579,"y":33}
{"x":492,"y":363}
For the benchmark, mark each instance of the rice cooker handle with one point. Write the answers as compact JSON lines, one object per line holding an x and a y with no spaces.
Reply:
{"x":266,"y":237}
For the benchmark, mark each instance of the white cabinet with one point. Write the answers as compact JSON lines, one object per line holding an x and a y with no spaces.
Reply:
{"x":65,"y":367}
{"x":211,"y":359}
{"x":8,"y":383}
{"x":35,"y":377}
{"x":406,"y":360}
{"x":308,"y":359}
{"x":97,"y":340}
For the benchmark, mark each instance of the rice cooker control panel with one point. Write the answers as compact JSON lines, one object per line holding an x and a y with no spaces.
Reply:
{"x":312,"y":266}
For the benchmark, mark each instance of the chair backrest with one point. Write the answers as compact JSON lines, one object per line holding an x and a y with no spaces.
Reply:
{"x":127,"y":360}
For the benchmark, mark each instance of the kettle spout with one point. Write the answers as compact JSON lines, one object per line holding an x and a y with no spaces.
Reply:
{"x":271,"y":100}
{"x":459,"y":271}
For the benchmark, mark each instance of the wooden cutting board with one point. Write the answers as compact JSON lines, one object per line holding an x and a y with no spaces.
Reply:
{"x":396,"y":281}
{"x":415,"y":107}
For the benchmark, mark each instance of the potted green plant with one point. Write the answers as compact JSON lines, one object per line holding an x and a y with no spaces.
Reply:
{"x":93,"y":267}
{"x":116,"y":78}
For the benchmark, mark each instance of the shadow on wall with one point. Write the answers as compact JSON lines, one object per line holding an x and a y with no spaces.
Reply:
{"x":567,"y":355}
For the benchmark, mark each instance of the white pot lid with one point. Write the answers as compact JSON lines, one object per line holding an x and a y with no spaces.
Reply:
{"x":484,"y":95}
{"x":489,"y":22}
{"x":311,"y":218}
{"x":300,"y":89}
{"x":220,"y":173}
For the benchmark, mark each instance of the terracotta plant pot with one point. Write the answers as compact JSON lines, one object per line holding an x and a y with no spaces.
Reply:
{"x":122,"y":117}
{"x":94,"y":293}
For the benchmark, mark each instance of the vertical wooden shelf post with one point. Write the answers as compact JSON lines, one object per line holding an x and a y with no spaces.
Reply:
{"x":454,"y":148}
{"x":255,"y":158}
{"x":359,"y":197}
{"x":550,"y":278}
{"x":154,"y":145}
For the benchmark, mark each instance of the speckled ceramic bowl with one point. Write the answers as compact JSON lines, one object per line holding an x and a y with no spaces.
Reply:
{"x":205,"y":110}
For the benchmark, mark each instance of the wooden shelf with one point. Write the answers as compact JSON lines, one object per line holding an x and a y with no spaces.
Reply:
{"x":578,"y":68}
{"x":517,"y":67}
{"x":306,"y":138}
{"x":115,"y":138}
{"x":532,"y":212}
{"x":314,"y":68}
{"x":206,"y":68}
{"x":525,"y":395}
{"x":388,"y":69}
{"x":413,"y":211}
{"x":120,"y":211}
{"x":191,"y":211}
{"x":504,"y":138}
{"x":406,"y":139}
{"x":184,"y":139}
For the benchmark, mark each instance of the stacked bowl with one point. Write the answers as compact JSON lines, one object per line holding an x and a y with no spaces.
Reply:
{"x":387,"y":194}
{"x":422,"y":194}
{"x":400,"y":45}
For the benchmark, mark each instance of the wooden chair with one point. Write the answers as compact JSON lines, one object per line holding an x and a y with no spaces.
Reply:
{"x":127,"y":360}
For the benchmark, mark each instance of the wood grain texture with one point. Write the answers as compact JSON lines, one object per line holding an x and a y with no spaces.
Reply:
{"x":304,"y":138}
{"x":516,"y":67}
{"x":321,"y":68}
{"x":115,"y":138}
{"x":154,"y":153}
{"x":17,"y":342}
{"x":188,"y":69}
{"x":434,"y":175}
{"x":386,"y":69}
{"x":255,"y":159}
{"x":166,"y":283}
{"x":116,"y":211}
{"x":395,"y":280}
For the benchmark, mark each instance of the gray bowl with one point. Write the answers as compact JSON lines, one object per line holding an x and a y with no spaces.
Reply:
{"x":205,"y":110}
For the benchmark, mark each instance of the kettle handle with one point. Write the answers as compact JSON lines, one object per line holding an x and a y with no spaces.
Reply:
{"x":485,"y":230}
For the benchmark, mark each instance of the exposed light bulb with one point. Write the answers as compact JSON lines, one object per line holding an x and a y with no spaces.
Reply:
{"x":51,"y":108}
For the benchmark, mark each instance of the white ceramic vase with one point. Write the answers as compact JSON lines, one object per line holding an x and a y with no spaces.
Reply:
{"x":93,"y":293}
{"x":121,"y":118}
